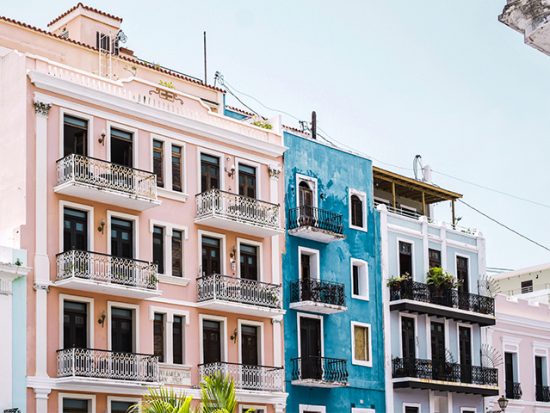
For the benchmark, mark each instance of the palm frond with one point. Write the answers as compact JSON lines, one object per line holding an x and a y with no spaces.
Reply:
{"x":163,"y":400}
{"x":218,"y":394}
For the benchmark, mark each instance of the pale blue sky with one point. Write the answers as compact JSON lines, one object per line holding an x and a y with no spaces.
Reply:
{"x":391,"y":78}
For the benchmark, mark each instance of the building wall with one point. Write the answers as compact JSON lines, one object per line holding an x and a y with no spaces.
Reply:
{"x":335,"y":176}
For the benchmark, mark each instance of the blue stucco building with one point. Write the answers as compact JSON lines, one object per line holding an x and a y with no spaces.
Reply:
{"x":333,"y":332}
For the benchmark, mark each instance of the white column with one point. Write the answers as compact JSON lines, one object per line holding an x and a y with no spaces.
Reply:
{"x":425,"y":244}
{"x":6,"y":346}
{"x":168,"y":337}
{"x":41,"y":261}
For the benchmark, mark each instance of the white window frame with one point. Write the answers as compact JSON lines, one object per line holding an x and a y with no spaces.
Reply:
{"x":311,"y":181}
{"x":89,"y":139}
{"x":169,"y":314}
{"x":221,"y":156}
{"x":110,"y":399}
{"x":135,"y":320}
{"x":169,"y":228}
{"x":167,"y":190}
{"x":79,"y":396}
{"x":256,"y":244}
{"x":135,"y":149}
{"x":416,"y":346}
{"x":223,"y":340}
{"x":457,"y":254}
{"x":90,"y":218}
{"x":468,"y":409}
{"x":363,"y":197}
{"x":299,"y":316}
{"x":259,"y":175}
{"x":362,"y":410}
{"x":369,"y":329}
{"x":417,"y":405}
{"x":312,"y":408}
{"x":316,"y":274}
{"x":408,"y":241}
{"x":219,"y":236}
{"x":258,"y":324}
{"x":363,"y":270}
{"x":252,"y":406}
{"x":135,"y":236}
{"x":541,"y":351}
{"x":90,"y":315}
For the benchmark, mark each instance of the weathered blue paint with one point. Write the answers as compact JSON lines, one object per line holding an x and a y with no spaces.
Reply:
{"x":235,"y":115}
{"x":336,"y":173}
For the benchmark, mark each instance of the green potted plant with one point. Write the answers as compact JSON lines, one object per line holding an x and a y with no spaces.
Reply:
{"x":440,"y":284}
{"x":395,"y":282}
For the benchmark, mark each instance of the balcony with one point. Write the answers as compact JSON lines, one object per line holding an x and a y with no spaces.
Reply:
{"x":238,"y":213}
{"x":175,"y":374}
{"x":106,"y":274}
{"x":513,"y":390}
{"x":415,"y":373}
{"x":86,"y":367}
{"x":105,"y":182}
{"x":542,"y":394}
{"x":247,"y":377}
{"x":317,"y":296}
{"x":422,"y":298}
{"x":315,"y":224}
{"x":313,"y":371}
{"x":239,"y":295}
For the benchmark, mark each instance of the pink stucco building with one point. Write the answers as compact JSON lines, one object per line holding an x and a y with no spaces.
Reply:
{"x":519,"y":344}
{"x":151,"y":222}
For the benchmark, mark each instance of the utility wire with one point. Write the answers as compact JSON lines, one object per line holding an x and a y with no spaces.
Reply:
{"x":504,"y":225}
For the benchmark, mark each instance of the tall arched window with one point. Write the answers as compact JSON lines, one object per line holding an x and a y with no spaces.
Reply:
{"x":356,"y":211}
{"x":305,"y":194}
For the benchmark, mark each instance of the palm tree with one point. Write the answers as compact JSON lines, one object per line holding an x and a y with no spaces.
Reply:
{"x":163,"y":400}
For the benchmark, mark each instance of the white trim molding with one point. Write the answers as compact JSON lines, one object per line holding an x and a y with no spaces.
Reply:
{"x":365,"y":363}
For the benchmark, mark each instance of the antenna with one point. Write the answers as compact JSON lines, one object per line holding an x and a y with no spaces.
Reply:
{"x":314,"y":125}
{"x":204,"y":52}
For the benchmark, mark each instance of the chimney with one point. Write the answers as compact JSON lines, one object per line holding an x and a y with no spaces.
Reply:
{"x":314,"y":125}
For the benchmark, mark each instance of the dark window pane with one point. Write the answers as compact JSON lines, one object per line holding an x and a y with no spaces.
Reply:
{"x":158,"y":336}
{"x":177,"y":253}
{"x":210,"y":172}
{"x":75,"y":135}
{"x":211,"y":341}
{"x":405,"y":258}
{"x":76,"y":406}
{"x":177,"y":168}
{"x":158,"y":248}
{"x":75,"y":230}
{"x":434,"y":258}
{"x":247,"y":181}
{"x":121,"y":147}
{"x":158,"y":161}
{"x":177,"y":339}
{"x":355,"y":280}
{"x":527,"y":286}
{"x":356,"y":211}
{"x":120,"y":406}
{"x":75,"y":324}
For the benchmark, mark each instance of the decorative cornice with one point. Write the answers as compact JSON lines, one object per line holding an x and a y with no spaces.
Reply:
{"x":42,"y":108}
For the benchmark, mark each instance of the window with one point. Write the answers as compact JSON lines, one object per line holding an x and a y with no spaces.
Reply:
{"x":158,"y":336}
{"x":361,"y":344}
{"x":75,"y":324}
{"x":75,"y":135}
{"x":247,"y":181}
{"x":434,"y":258}
{"x":541,"y":389}
{"x":121,"y":147}
{"x":305,"y":408}
{"x":75,"y":229}
{"x":158,"y":248}
{"x":177,"y":340}
{"x":158,"y":161}
{"x":255,"y":409}
{"x":103,"y":42}
{"x":177,"y":168}
{"x":405,"y":258}
{"x":122,"y":238}
{"x":211,"y":341}
{"x":177,"y":253}
{"x":119,"y":406}
{"x":527,"y":286}
{"x":412,"y":409}
{"x":77,"y":405}
{"x":357,"y":209}
{"x":122,"y":330}
{"x":360,"y":279}
{"x":210,"y":172}
{"x":248,"y":261}
{"x":362,"y":410}
{"x":511,"y":375}
{"x":211,"y":255}
{"x":305,"y":195}
{"x":462,"y":274}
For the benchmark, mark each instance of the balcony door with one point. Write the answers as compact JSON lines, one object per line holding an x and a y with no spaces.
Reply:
{"x":438,"y":350}
{"x":405,"y":258}
{"x":249,"y":261}
{"x":305,"y":268}
{"x":247,"y":181}
{"x":122,"y":238}
{"x":211,"y":256}
{"x":465,"y":349}
{"x":306,"y":203}
{"x":408,"y":345}
{"x":75,"y":324}
{"x":310,"y":348}
{"x":75,"y":230}
{"x":539,"y":379}
{"x":509,"y":375}
{"x":210,"y":172}
{"x":75,"y":136}
{"x":211,"y":341}
{"x":250,"y":356}
{"x":122,"y":330}
{"x":462,"y":274}
{"x":122,"y":147}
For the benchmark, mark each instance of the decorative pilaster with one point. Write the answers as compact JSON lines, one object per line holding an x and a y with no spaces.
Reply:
{"x":42,"y":108}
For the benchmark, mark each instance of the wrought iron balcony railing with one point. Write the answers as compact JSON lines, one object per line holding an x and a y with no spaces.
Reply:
{"x":513,"y":390}
{"x":453,"y":372}
{"x":542,"y":393}
{"x":413,"y":290}
{"x":104,"y":364}
{"x":107,"y":175}
{"x":105,"y":268}
{"x":238,"y":208}
{"x":320,"y":369}
{"x":247,"y":377}
{"x":323,"y":292}
{"x":307,"y":216}
{"x":238,"y":290}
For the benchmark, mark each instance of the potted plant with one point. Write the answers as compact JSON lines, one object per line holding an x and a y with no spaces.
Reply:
{"x":395,"y":282}
{"x":440,"y":283}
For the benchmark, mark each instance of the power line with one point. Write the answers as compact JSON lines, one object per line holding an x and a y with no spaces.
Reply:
{"x":504,"y":225}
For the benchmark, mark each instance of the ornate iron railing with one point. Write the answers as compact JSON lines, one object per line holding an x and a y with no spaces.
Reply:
{"x":542,"y":393}
{"x":320,"y":369}
{"x":238,"y":290}
{"x":106,"y":268}
{"x":318,"y":291}
{"x":444,"y":371}
{"x":247,"y":377}
{"x":513,"y":390}
{"x":239,"y":208}
{"x":107,"y":175}
{"x":413,"y":290}
{"x":104,"y":364}
{"x":307,"y":216}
